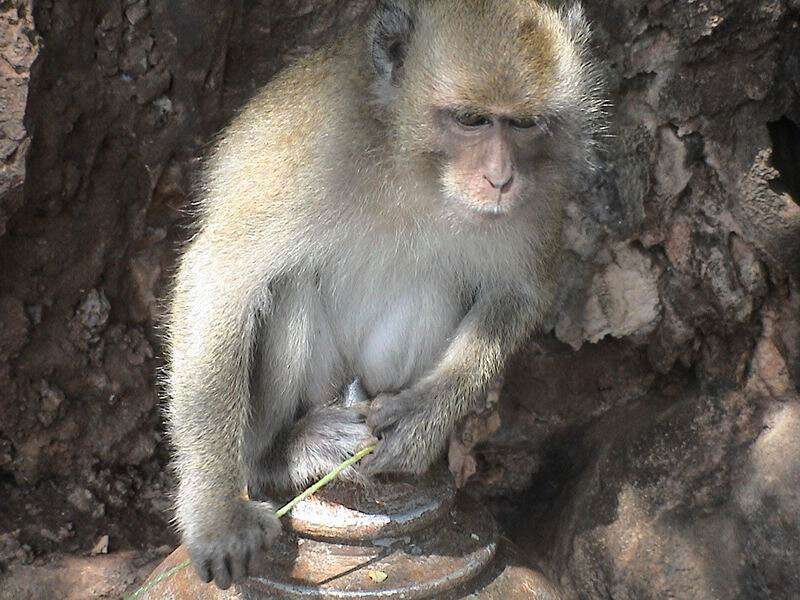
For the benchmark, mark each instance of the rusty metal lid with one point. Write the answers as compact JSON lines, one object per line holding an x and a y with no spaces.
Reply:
{"x":394,"y":508}
{"x":428,"y":564}
{"x":455,"y":560}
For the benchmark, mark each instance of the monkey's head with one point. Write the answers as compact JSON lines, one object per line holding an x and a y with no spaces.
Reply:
{"x":497,"y":98}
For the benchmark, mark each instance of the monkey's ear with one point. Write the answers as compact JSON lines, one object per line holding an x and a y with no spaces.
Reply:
{"x":391,"y":30}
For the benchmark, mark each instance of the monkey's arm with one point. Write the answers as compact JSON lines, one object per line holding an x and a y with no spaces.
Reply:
{"x":212,"y":332}
{"x":414,"y":424}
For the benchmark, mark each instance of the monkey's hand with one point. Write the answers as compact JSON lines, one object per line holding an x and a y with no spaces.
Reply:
{"x":222,"y":545}
{"x":410,"y":436}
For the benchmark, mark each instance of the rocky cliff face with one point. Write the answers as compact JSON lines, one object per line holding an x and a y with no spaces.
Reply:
{"x":649,"y":441}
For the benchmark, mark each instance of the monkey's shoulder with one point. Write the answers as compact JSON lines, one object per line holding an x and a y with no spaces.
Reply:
{"x":288,"y":135}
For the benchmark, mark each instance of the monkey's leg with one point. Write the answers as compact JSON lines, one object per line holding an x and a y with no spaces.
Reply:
{"x":311,"y":448}
{"x":413,"y":425}
{"x":300,"y":367}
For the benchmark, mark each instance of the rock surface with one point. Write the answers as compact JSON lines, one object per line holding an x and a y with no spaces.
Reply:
{"x":19,"y":47}
{"x":649,"y":439}
{"x":76,"y":577}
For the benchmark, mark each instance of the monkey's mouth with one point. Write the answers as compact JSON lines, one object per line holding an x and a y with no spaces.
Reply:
{"x":492,"y":210}
{"x":479,"y":211}
{"x":482,"y":209}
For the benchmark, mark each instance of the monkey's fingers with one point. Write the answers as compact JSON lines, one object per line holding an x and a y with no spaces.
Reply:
{"x":226,"y":557}
{"x":366,"y":443}
{"x":387,"y":457}
{"x":203,"y":570}
{"x":386,"y":411}
{"x":370,"y":465}
{"x":242,"y":568}
{"x":222,"y":565}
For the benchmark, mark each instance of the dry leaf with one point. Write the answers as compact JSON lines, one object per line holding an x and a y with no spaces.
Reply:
{"x":476,"y":429}
{"x":101,"y":547}
{"x":461,"y":462}
{"x":378,"y":576}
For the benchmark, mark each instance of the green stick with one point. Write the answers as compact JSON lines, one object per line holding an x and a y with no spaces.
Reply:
{"x":325,"y":480}
{"x":281,"y":512}
{"x":165,"y":575}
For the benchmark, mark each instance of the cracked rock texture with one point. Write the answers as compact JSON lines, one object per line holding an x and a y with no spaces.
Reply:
{"x":649,"y":439}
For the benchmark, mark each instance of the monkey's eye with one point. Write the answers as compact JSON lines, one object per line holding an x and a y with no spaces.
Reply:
{"x":470,"y":119}
{"x":525,"y":122}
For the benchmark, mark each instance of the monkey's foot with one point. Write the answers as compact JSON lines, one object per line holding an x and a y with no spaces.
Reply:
{"x":317,"y":444}
{"x":224,"y":552}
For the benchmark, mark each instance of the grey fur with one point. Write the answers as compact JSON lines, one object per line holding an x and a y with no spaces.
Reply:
{"x":331,"y":247}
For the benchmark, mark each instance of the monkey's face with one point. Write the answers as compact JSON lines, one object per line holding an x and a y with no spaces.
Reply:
{"x":492,"y":97}
{"x":497,"y":143}
{"x":489,"y":159}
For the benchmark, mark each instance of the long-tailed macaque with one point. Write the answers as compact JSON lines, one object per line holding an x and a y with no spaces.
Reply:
{"x":387,"y":209}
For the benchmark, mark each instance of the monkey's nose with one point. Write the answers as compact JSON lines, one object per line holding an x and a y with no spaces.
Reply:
{"x":500,"y":182}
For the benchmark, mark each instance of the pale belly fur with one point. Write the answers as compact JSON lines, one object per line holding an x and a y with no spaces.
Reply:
{"x":390,"y":330}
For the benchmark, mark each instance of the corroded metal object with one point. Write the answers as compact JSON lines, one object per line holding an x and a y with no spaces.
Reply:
{"x":389,"y":509}
{"x":395,"y":540}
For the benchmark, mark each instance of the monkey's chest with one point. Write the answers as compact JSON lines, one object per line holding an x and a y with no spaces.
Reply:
{"x":394,"y":332}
